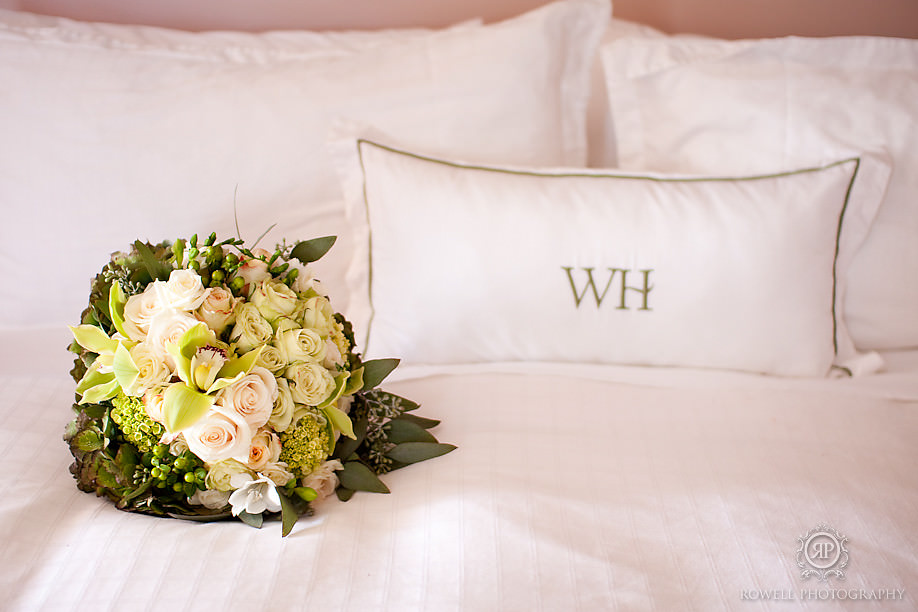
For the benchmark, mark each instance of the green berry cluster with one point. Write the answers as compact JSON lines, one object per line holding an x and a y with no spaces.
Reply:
{"x":183,"y":474}
{"x":136,"y":426}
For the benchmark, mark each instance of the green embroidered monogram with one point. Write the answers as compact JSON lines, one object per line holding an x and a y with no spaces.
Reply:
{"x":623,"y":286}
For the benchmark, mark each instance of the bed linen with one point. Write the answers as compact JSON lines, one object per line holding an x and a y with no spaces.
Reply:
{"x":572,"y":489}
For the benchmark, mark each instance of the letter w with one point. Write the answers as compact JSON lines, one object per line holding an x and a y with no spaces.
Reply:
{"x":590,"y":285}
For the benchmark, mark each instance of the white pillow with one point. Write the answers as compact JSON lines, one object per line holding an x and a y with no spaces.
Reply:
{"x":462,"y":263}
{"x":703,"y":105}
{"x":112,"y":133}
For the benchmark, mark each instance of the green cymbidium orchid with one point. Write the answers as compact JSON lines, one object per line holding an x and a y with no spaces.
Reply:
{"x":100,"y":382}
{"x":205,"y":366}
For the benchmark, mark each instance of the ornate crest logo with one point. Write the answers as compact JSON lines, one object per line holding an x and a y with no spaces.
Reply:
{"x":822,"y":554}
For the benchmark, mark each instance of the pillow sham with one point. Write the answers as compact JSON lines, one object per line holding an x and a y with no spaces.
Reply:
{"x":466,"y":263}
{"x":121,"y":130}
{"x":701,"y":105}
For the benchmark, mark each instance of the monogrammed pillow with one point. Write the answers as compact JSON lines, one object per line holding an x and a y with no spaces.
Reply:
{"x":463,"y":263}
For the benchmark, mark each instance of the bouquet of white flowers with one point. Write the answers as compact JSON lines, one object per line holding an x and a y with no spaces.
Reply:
{"x":216,"y":381}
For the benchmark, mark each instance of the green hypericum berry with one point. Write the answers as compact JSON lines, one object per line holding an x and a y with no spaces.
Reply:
{"x":217,"y":276}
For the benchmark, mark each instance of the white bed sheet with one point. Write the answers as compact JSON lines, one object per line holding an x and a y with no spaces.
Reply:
{"x":567,"y":492}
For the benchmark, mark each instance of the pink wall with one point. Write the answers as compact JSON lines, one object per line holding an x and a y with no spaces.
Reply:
{"x":724,"y":18}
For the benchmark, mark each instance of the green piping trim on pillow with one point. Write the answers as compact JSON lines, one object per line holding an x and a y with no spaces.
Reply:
{"x":610,"y":175}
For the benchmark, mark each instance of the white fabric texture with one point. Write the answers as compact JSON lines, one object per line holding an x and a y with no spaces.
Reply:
{"x":110,"y":129}
{"x":701,"y":105}
{"x":462,"y":263}
{"x":563,"y":494}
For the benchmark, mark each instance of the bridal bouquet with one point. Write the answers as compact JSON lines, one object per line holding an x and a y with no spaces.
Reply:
{"x":216,"y":381}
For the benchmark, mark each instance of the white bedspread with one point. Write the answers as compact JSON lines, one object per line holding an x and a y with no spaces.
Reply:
{"x":566,"y":493}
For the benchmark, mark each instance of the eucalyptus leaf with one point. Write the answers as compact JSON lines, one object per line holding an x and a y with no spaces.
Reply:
{"x":309,"y":251}
{"x":344,"y":493}
{"x":400,"y":431}
{"x":255,"y":520}
{"x":157,"y":269}
{"x":414,"y":452}
{"x":359,"y":477}
{"x":289,"y":515}
{"x":419,"y":420}
{"x":375,"y":371}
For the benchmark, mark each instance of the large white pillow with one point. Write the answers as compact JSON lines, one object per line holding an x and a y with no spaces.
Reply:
{"x":111,"y":133}
{"x":702,"y":105}
{"x":466,"y":263}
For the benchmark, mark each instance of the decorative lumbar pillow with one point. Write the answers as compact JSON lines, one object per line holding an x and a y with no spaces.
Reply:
{"x":462,"y":263}
{"x":700,"y":105}
{"x":107,"y":127}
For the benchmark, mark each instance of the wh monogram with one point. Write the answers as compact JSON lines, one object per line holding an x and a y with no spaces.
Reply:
{"x":623,"y":288}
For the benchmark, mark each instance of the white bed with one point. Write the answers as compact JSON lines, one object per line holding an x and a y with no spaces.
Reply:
{"x":575,"y":486}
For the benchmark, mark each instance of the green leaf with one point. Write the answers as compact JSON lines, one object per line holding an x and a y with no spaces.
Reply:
{"x":289,"y":515}
{"x":344,"y":493}
{"x":400,"y":431}
{"x":359,"y":477}
{"x":255,"y":520}
{"x":419,"y":420}
{"x":414,"y":452}
{"x":156,"y":268}
{"x":88,"y":441}
{"x":184,"y":406}
{"x":375,"y":371}
{"x":309,"y":251}
{"x":340,"y":421}
{"x":93,"y":339}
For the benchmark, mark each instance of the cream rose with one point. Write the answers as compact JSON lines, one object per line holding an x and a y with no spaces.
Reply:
{"x":218,"y":309}
{"x":140,"y":309}
{"x":323,"y":479}
{"x":210,"y":498}
{"x":274,"y":299}
{"x":265,"y":448}
{"x":253,"y":271}
{"x":252,"y":397}
{"x":282,"y":413}
{"x":153,"y":403}
{"x":271,"y":358}
{"x":318,"y":315}
{"x":227,"y":475}
{"x":251,"y":329}
{"x":298,"y":345}
{"x":184,"y":290}
{"x":277,"y":472}
{"x":168,"y":327}
{"x":151,"y":370}
{"x":310,"y":383}
{"x":220,"y":434}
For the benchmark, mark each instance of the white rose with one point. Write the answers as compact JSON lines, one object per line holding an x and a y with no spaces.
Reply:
{"x":256,"y":496}
{"x":220,"y":434}
{"x":274,"y":299}
{"x":251,"y":329}
{"x":153,"y":403}
{"x":282,"y":413}
{"x":218,"y":309}
{"x":151,"y":370}
{"x":310,"y":383}
{"x":318,"y":315}
{"x":277,"y":472}
{"x":140,"y":309}
{"x":300,"y":345}
{"x":251,"y":397}
{"x":168,"y":326}
{"x":323,"y":479}
{"x":265,"y":448}
{"x":184,"y":290}
{"x":227,"y":475}
{"x":253,"y":271}
{"x":271,"y":358}
{"x":210,"y":498}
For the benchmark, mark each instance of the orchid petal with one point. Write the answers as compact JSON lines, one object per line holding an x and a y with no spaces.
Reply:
{"x":184,"y":406}
{"x":93,"y":339}
{"x":341,"y":421}
{"x":124,"y":369}
{"x":116,"y":302}
{"x":101,"y":392}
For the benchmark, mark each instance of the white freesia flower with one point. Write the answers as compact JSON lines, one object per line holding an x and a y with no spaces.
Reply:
{"x":265,"y":448}
{"x":310,"y":383}
{"x":323,"y":479}
{"x":210,"y":498}
{"x":184,"y":290}
{"x":282,"y":413}
{"x":251,"y":329}
{"x":227,"y":475}
{"x":220,"y":434}
{"x":306,"y":280}
{"x":256,"y":496}
{"x":251,"y":397}
{"x":218,"y":309}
